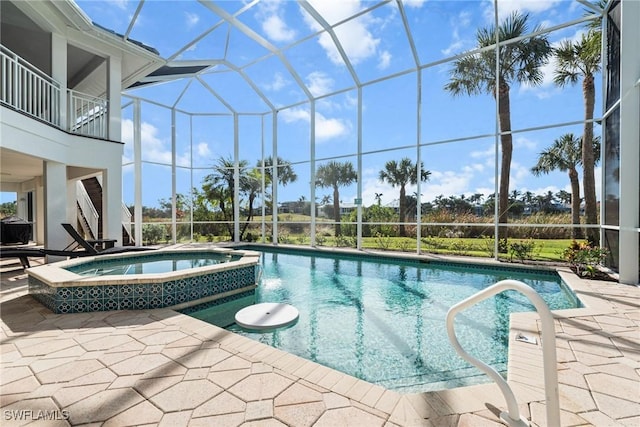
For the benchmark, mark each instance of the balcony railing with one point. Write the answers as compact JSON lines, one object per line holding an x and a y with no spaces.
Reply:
{"x":87,"y":114}
{"x":29,"y":90}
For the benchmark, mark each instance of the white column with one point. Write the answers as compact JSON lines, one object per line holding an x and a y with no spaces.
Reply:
{"x":359,"y":184}
{"x":629,"y":141}
{"x":112,"y":201}
{"x":274,"y":181}
{"x":174,"y":224}
{"x":137,"y":172}
{"x":114,"y":87}
{"x":55,"y":205}
{"x":312,"y":170}
{"x":59,"y":73}
{"x":236,"y":180}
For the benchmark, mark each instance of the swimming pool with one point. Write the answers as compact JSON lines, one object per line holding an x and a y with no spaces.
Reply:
{"x":383,"y":319}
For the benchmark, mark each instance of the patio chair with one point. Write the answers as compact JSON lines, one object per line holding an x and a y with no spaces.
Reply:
{"x":87,"y":245}
{"x":71,"y":251}
{"x":23,"y":254}
{"x":97,"y":246}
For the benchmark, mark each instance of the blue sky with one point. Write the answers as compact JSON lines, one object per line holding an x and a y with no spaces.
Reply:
{"x":377,"y":46}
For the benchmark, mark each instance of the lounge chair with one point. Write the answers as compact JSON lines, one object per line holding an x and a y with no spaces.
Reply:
{"x":98,"y":246}
{"x":23,"y":254}
{"x":89,"y":248}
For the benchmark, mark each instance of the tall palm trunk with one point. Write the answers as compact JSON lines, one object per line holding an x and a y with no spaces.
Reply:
{"x":252,"y":197}
{"x":575,"y":202}
{"x":506,"y":140}
{"x":336,"y":209}
{"x":588,"y":161}
{"x":403,"y":211}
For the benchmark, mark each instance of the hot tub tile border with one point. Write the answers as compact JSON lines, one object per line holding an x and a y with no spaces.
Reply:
{"x":139,"y":296}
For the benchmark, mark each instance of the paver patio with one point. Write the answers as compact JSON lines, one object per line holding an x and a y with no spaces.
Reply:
{"x":160,"y":367}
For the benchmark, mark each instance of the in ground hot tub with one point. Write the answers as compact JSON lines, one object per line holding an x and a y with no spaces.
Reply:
{"x":174,"y":278}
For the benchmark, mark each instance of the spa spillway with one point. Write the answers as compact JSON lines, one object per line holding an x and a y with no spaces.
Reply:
{"x":174,"y":278}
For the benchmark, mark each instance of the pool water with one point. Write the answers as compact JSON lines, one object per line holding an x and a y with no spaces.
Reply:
{"x":383,"y":320}
{"x":150,"y":263}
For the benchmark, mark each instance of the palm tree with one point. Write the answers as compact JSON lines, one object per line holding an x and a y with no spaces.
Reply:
{"x":565,"y":155}
{"x":334,"y":175}
{"x":378,"y":197}
{"x":251,"y":185}
{"x":519,"y":62}
{"x":401,"y":174}
{"x":286,"y":174}
{"x":564,"y":197}
{"x":218,"y":187}
{"x":580,"y":60}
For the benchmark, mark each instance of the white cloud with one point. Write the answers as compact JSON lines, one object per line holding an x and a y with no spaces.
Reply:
{"x":447,"y":183}
{"x":357,"y":41}
{"x":475,"y":167}
{"x":523,"y":142}
{"x":277,"y":83}
{"x":326,"y":128}
{"x":489,"y":152}
{"x":547,"y":88}
{"x":507,"y":7}
{"x":462,"y":20}
{"x":319,"y":83}
{"x":291,"y":115}
{"x":414,"y":3}
{"x":120,"y":4}
{"x":454,"y":47}
{"x":371,"y":186}
{"x":277,"y":30}
{"x":385,"y":60}
{"x":202,"y":150}
{"x":330,"y":128}
{"x":270,"y":15}
{"x":155,"y":149}
{"x":192,"y":19}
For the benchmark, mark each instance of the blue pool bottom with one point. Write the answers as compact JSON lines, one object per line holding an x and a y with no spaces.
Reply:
{"x":382,"y":320}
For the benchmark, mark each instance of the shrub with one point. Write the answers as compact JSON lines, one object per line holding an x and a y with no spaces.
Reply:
{"x":404,"y":245}
{"x":585,"y":258}
{"x":383,"y":241}
{"x":460,"y":247}
{"x":153,"y":233}
{"x":522,"y":250}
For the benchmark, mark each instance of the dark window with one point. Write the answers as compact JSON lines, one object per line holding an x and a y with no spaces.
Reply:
{"x":613,"y":53}
{"x":611,"y":243}
{"x":611,"y":168}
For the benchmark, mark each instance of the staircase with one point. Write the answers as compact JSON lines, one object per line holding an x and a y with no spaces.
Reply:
{"x":94,"y":190}
{"x":93,"y":187}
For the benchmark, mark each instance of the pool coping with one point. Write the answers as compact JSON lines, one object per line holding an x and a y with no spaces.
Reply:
{"x":55,"y":274}
{"x":343,"y":395}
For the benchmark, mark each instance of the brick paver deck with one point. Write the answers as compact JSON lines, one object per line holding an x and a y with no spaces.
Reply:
{"x":159,"y":367}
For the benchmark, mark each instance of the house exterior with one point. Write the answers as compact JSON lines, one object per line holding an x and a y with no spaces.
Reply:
{"x":60,"y":122}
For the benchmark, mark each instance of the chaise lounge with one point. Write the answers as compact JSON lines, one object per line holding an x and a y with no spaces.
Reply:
{"x":89,"y":248}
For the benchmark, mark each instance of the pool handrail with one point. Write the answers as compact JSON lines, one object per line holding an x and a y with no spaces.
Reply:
{"x":512,"y":417}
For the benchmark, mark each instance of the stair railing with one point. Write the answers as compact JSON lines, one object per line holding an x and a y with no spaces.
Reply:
{"x":125,"y":214}
{"x":126,"y":220}
{"x":513,"y":417}
{"x":88,"y":211}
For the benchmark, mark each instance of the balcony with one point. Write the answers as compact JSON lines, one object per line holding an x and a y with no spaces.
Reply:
{"x":25,"y":88}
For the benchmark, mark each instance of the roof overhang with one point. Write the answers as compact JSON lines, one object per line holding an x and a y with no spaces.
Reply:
{"x":65,"y":17}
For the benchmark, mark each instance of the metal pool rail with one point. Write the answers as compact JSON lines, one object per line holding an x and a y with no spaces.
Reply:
{"x":513,"y":417}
